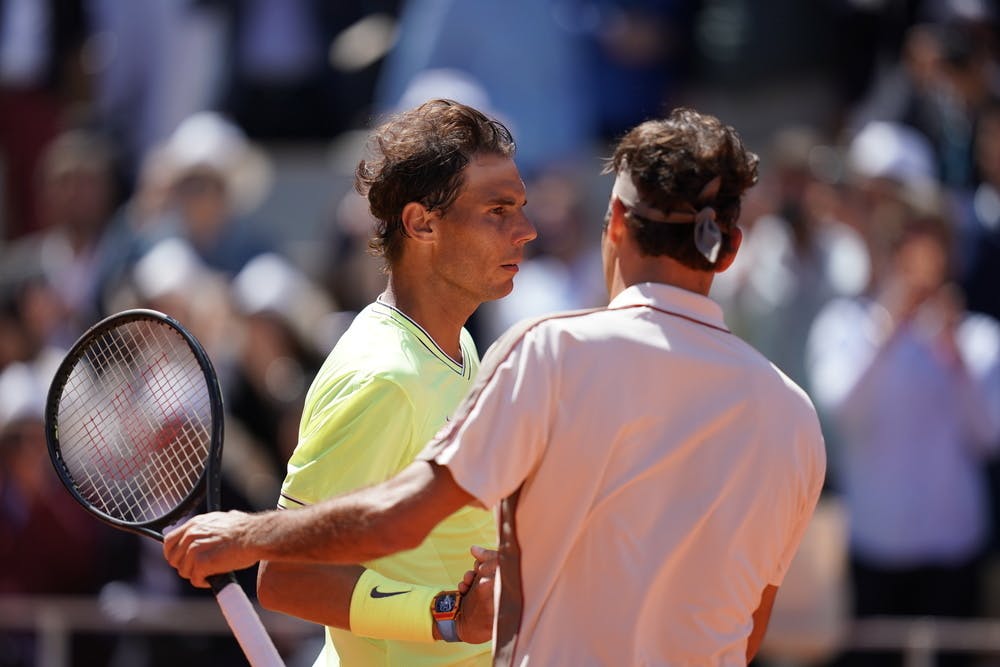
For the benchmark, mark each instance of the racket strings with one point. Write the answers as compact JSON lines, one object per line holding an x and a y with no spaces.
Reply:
{"x":135,"y":421}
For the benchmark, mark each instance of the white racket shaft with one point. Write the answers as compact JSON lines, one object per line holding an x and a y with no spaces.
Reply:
{"x":247,"y":627}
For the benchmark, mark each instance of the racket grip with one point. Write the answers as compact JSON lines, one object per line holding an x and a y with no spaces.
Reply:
{"x":244,"y":622}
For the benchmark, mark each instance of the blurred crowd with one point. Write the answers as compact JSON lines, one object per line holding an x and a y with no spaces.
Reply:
{"x":137,"y":144}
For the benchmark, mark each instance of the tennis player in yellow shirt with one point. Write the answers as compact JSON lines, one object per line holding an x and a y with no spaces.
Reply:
{"x":448,"y":200}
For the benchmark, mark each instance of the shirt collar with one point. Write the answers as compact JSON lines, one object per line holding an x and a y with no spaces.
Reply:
{"x":673,"y":299}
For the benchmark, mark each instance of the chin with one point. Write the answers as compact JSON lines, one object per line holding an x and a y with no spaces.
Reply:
{"x":500,"y":291}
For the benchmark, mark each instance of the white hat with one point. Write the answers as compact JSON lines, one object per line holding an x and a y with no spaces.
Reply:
{"x":270,"y":284}
{"x":22,"y":395}
{"x":169,"y":267}
{"x":893,"y":151}
{"x":207,"y":140}
{"x":451,"y":84}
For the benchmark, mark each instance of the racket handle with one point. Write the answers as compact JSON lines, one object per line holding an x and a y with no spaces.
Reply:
{"x":244,"y":622}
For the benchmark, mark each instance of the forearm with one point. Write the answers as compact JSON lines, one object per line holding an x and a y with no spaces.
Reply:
{"x":761,"y":617}
{"x":317,"y":593}
{"x":355,"y":528}
{"x":327,"y":595}
{"x":361,"y":526}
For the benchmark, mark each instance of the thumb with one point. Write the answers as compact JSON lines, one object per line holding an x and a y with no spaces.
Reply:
{"x":482,"y":553}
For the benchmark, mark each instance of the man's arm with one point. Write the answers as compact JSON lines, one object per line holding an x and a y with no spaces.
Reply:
{"x":353,"y":528}
{"x":291,"y":588}
{"x":760,"y":619}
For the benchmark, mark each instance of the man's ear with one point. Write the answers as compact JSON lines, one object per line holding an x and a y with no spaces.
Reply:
{"x":730,"y":248}
{"x":616,"y":220}
{"x":418,"y":221}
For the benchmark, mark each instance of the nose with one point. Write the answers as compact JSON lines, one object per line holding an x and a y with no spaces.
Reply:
{"x":524,"y":231}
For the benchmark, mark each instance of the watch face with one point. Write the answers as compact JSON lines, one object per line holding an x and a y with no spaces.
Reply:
{"x":444,"y":603}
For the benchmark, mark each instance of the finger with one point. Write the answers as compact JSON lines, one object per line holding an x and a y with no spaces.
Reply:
{"x":199,"y":582}
{"x":487,"y":568}
{"x":172,"y":546}
{"x":482,"y":554}
{"x":466,"y":583}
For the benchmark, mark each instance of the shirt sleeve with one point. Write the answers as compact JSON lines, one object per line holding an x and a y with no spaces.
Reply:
{"x":499,"y":432}
{"x":356,"y":438}
{"x":810,"y":439}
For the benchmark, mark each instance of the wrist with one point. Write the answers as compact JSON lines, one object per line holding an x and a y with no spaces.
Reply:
{"x":445,"y":609}
{"x":383,"y":608}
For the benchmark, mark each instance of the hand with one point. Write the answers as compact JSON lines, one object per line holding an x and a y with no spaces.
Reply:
{"x":475,"y":622}
{"x":210,"y":544}
{"x":946,"y":308}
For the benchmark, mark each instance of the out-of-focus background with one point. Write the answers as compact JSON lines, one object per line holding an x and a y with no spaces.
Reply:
{"x":197,"y":156}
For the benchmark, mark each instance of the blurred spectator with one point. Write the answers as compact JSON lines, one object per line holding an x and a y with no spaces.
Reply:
{"x":40,"y":80}
{"x":945,"y":77}
{"x":284,"y":338}
{"x":875,"y":31}
{"x":796,"y":256}
{"x":304,"y":69}
{"x":154,"y":64}
{"x":641,"y":53}
{"x":979,"y":224}
{"x":978,"y":254}
{"x":352,"y":276}
{"x":966,"y":83}
{"x":28,"y":310}
{"x":537,"y":84}
{"x":884,"y":163}
{"x":78,"y":250}
{"x":912,"y":383}
{"x":215,"y":179}
{"x":40,"y":522}
{"x":166,"y":278}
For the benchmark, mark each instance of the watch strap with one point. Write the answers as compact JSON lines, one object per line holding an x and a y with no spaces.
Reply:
{"x":448,"y":631}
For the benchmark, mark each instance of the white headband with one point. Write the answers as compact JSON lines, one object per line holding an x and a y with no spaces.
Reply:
{"x":707,"y":235}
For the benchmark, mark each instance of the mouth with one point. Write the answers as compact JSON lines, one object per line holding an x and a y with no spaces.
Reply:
{"x":512,"y":267}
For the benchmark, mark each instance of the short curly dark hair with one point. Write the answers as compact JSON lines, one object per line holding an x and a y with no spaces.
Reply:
{"x":420,"y":156}
{"x":670,"y":161}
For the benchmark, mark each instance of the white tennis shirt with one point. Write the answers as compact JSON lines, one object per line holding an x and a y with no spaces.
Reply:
{"x":653,"y":471}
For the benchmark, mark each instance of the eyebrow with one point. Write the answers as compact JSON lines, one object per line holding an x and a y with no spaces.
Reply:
{"x":506,"y":201}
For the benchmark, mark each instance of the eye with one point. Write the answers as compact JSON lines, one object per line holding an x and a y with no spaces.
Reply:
{"x":497,"y":210}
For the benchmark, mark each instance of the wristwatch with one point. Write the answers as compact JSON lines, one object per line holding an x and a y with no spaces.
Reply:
{"x":444,"y":610}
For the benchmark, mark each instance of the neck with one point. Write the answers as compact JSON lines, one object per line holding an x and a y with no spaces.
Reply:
{"x":658,"y":270}
{"x":441,"y":316}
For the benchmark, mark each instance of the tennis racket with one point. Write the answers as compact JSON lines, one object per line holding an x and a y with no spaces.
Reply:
{"x":134,"y":427}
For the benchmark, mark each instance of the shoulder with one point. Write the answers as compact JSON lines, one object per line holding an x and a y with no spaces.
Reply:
{"x":538,"y":328}
{"x":337,"y":388}
{"x":374,"y":346}
{"x":794,"y":398}
{"x":363,"y":364}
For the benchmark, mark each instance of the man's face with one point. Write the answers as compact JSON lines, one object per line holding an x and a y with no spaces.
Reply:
{"x":484,"y":231}
{"x":921,"y":265}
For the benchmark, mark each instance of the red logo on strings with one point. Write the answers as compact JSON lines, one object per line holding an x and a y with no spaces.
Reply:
{"x":142,"y":433}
